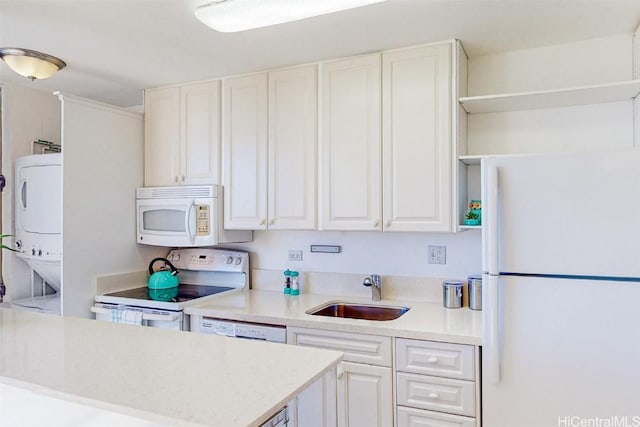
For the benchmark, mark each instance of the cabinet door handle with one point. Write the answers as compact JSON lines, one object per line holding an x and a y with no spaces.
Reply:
{"x":433,"y":395}
{"x":432,"y":359}
{"x":182,"y":178}
{"x":263,"y":222}
{"x":387,"y":224}
{"x":376,"y":223}
{"x":175,"y":178}
{"x":273,"y":221}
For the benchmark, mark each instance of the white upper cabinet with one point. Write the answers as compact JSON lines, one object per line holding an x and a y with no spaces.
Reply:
{"x":416,"y":138}
{"x":200,"y":105}
{"x":244,"y":152}
{"x":292,"y":148}
{"x":383,"y":160}
{"x":161,"y":136}
{"x":351,"y":149}
{"x":269,"y":150}
{"x":182,"y":135}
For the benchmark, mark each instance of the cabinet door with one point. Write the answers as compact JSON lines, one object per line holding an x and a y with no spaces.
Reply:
{"x":416,"y":143}
{"x":350,"y":157}
{"x":200,"y":148}
{"x":316,"y":405}
{"x":244,"y":152}
{"x":364,"y":396}
{"x":162,"y":136}
{"x":292,"y":148}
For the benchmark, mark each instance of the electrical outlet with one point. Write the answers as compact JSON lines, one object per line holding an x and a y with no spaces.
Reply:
{"x":295,"y":255}
{"x":437,"y":254}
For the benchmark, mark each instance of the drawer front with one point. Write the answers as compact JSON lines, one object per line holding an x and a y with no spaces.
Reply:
{"x":410,"y":417}
{"x":437,"y":394}
{"x":435,"y":358}
{"x":359,"y":348}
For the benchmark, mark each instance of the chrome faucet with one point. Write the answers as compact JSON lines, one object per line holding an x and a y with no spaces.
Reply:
{"x":376,"y":286}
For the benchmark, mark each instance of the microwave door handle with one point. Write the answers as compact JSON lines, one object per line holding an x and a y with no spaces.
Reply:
{"x":187,"y":222}
{"x":23,"y":194}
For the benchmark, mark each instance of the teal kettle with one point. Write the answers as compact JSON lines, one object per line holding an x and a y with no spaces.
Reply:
{"x":163,"y":279}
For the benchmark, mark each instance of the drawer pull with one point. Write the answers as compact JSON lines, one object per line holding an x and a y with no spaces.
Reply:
{"x":432,"y":359}
{"x":433,"y":396}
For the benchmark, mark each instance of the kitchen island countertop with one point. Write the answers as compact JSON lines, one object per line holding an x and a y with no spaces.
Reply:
{"x":167,"y":377}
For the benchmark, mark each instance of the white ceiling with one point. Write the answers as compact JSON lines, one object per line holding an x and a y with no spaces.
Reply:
{"x":116,"y":48}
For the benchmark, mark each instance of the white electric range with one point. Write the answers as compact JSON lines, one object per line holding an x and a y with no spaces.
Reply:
{"x":203,"y":274}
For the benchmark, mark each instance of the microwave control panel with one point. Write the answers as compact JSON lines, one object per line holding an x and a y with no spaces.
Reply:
{"x":203,"y":220}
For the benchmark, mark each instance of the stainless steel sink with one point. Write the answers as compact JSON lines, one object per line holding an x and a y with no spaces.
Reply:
{"x":358,"y":311}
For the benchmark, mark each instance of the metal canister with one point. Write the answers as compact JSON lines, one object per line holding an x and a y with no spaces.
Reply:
{"x":452,"y":293}
{"x":475,"y":292}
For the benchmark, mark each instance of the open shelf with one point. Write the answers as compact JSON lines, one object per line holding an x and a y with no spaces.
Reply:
{"x":463,"y":227}
{"x":470,"y":160}
{"x":581,"y":95}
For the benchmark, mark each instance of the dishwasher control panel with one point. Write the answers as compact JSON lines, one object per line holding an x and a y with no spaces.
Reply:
{"x":230,"y":328}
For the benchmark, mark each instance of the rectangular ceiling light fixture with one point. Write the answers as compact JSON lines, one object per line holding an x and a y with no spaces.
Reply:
{"x":229,"y":16}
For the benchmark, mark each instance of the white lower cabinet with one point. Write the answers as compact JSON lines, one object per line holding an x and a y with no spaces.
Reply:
{"x":364,"y":379}
{"x":436,"y":384}
{"x":411,"y":417}
{"x":435,"y":393}
{"x":364,"y":395}
{"x":316,"y":405}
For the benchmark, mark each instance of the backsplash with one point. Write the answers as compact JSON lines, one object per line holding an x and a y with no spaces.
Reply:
{"x":396,"y":254}
{"x":423,"y":289}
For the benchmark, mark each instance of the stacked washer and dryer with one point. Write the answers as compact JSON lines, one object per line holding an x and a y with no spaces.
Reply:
{"x":38,"y":226}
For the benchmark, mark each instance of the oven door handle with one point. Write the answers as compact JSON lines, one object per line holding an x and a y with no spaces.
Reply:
{"x":145,"y":316}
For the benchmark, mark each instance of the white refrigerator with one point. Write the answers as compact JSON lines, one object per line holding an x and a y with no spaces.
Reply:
{"x":561,"y":293}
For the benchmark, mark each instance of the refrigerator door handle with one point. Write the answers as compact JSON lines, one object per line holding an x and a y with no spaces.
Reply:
{"x":490,"y":238}
{"x":492,"y":352}
{"x":491,"y":299}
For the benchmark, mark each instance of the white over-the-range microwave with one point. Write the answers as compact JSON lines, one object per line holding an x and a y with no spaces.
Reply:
{"x":183,"y":216}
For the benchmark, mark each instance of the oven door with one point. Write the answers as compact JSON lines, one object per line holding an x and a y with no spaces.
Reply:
{"x":130,"y":315}
{"x":176,"y":222}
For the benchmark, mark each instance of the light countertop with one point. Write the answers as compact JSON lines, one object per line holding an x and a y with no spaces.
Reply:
{"x":168,"y":377}
{"x":424,"y":320}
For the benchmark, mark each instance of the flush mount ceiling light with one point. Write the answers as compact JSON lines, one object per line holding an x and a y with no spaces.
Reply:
{"x":229,"y":16}
{"x":31,"y":63}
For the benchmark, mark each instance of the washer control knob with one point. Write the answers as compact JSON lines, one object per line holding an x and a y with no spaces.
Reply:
{"x":33,"y":252}
{"x":39,"y":252}
{"x":238,"y":261}
{"x":229,"y":260}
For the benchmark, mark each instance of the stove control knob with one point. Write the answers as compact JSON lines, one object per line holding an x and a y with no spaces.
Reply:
{"x":229,"y":260}
{"x":174,"y":257}
{"x":238,"y":261}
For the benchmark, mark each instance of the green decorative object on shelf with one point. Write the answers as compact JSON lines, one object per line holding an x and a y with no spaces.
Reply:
{"x":474,"y":217}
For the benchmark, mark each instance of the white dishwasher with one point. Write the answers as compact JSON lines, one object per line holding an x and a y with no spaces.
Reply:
{"x":246,"y":330}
